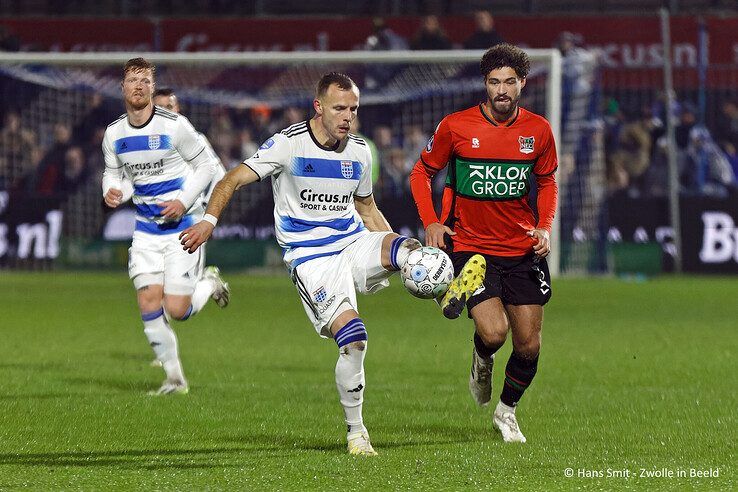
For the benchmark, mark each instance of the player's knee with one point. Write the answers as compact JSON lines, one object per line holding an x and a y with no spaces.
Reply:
{"x":529,"y":347}
{"x":149,"y":299}
{"x":351,"y":337}
{"x":493,"y":335}
{"x":177,"y":309}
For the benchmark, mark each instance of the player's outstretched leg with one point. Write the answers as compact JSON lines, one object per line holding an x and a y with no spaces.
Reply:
{"x":463,"y":286}
{"x":352,"y":343}
{"x":164,"y":343}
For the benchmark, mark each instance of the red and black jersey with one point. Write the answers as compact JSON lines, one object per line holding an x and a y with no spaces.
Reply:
{"x":490,"y":163}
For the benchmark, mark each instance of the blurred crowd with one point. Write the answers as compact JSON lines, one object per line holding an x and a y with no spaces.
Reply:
{"x":635,"y":148}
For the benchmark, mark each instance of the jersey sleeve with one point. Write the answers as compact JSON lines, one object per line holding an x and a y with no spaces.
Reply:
{"x":187,"y":140}
{"x":547,"y":162}
{"x":365,"y":182}
{"x":113,"y":173}
{"x":272,"y":156}
{"x":438,"y":151}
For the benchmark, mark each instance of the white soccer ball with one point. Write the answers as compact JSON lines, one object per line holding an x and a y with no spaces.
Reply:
{"x":427,"y":273}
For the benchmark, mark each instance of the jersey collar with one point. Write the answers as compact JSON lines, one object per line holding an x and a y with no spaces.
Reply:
{"x":491,"y":120}
{"x":145,"y":123}
{"x":332,"y":148}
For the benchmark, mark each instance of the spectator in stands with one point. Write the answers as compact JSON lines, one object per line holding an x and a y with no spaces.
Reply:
{"x":727,"y":125}
{"x":383,"y":38}
{"x":486,"y":35}
{"x":731,"y":153}
{"x":17,"y":146}
{"x":247,"y":145}
{"x":261,"y":122}
{"x":290,"y":116}
{"x":75,"y":172}
{"x":631,"y":156}
{"x":48,"y":178}
{"x":97,"y":116}
{"x":394,"y":180}
{"x":431,"y":36}
{"x":413,"y":142}
{"x":687,"y":121}
{"x":708,"y":169}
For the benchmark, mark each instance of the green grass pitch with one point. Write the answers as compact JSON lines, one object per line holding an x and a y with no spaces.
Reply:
{"x":632,"y":376}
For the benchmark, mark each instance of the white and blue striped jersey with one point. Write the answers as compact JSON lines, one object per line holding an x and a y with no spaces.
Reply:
{"x":166,"y":159}
{"x":314,"y":188}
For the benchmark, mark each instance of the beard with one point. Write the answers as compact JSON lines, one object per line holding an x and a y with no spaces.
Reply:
{"x":506,"y":106}
{"x":137,"y":102}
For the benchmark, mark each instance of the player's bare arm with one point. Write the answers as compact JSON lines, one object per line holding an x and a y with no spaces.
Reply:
{"x":373,"y":219}
{"x":543,"y":242}
{"x":192,"y":237}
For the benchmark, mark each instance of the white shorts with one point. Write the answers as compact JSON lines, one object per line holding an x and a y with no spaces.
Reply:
{"x":328,"y":285}
{"x":160,"y":260}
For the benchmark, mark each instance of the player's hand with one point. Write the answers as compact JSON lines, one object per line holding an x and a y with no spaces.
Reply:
{"x":543,"y":242}
{"x":192,"y":237}
{"x":434,"y":235}
{"x":173,"y":209}
{"x":113,"y":197}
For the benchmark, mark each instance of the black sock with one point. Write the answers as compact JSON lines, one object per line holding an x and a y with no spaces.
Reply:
{"x":484,"y":351}
{"x":519,"y":374}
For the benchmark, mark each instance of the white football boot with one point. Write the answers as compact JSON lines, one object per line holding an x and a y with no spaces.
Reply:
{"x":505,"y":422}
{"x":358,"y":444}
{"x":222,"y":293}
{"x":172,"y":387}
{"x":480,"y":379}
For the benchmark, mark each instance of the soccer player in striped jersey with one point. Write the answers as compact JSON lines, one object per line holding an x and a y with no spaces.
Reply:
{"x":492,"y":151}
{"x":335,"y":239}
{"x":169,"y":167}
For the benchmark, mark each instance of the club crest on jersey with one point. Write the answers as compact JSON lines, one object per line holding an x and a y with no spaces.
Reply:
{"x":320,"y":295}
{"x":429,"y":146}
{"x":526,"y":144}
{"x":154,"y":142}
{"x":347,"y":169}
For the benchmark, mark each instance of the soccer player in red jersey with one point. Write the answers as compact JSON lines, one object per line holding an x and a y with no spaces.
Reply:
{"x":493,"y":150}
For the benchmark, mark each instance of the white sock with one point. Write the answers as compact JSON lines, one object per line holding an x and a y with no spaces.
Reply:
{"x":164,"y":343}
{"x":350,"y":383}
{"x":401,"y":247}
{"x":204,"y":288}
{"x":502,"y":408}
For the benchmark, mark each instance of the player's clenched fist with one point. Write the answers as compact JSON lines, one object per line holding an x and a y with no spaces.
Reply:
{"x":113,"y":197}
{"x":543,"y":242}
{"x":192,"y":237}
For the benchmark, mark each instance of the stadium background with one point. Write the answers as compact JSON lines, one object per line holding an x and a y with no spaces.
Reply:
{"x":614,"y":214}
{"x":637,"y":364}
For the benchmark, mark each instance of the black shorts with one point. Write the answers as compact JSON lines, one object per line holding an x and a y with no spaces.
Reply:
{"x":518,"y":280}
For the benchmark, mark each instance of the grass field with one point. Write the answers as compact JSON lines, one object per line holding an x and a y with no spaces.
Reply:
{"x":632,"y":376}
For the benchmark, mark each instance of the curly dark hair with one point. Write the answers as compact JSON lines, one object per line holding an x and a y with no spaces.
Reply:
{"x":505,"y":55}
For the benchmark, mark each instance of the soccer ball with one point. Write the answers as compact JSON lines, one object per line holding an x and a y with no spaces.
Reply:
{"x":427,"y":273}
